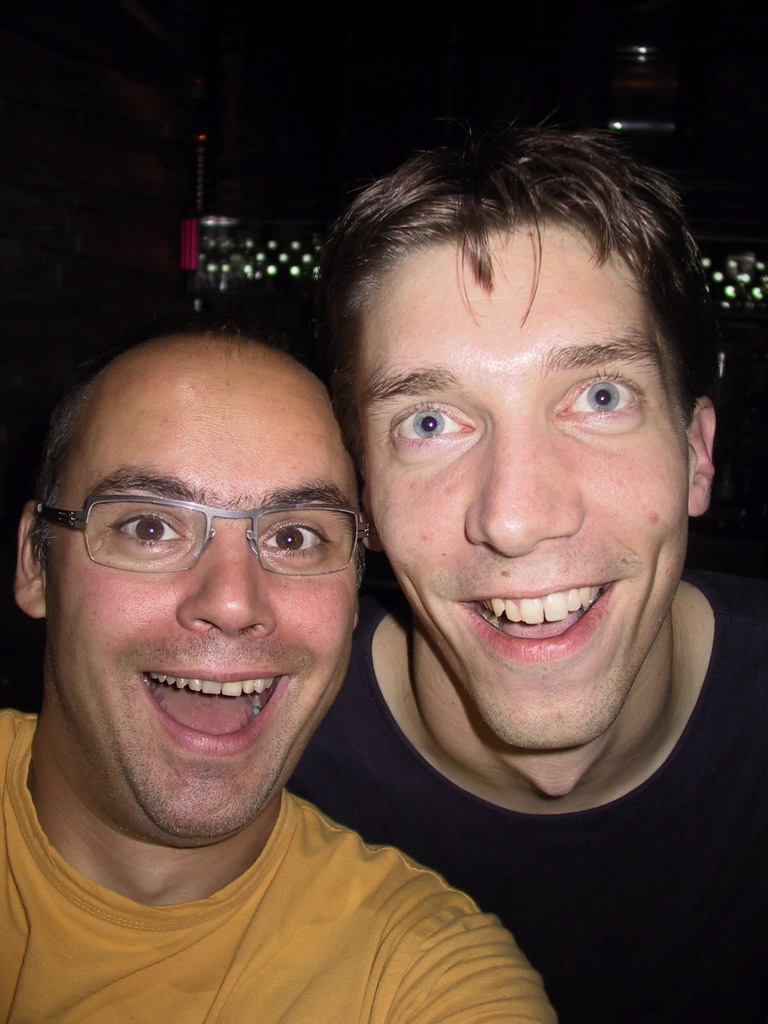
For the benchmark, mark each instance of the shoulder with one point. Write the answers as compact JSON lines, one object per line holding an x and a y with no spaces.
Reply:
{"x":434,"y":944}
{"x":15,"y":725}
{"x":733,"y":597}
{"x":340,"y":844}
{"x":385,"y":880}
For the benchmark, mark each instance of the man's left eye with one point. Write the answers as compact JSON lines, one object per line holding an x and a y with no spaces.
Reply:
{"x":292,"y":538}
{"x":605,"y":396}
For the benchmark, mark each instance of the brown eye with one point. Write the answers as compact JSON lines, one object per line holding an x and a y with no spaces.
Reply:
{"x":293,"y":538}
{"x":149,"y":530}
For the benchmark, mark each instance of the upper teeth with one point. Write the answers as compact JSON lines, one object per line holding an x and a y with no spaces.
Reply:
{"x":235,"y":688}
{"x":551,"y":608}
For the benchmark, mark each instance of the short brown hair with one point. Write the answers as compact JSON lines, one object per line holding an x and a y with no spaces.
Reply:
{"x":581,"y":180}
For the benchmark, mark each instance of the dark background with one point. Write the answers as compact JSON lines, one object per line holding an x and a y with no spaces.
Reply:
{"x":122,"y":118}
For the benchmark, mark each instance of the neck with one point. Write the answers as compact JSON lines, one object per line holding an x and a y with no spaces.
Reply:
{"x":150,"y":871}
{"x":436,"y":715}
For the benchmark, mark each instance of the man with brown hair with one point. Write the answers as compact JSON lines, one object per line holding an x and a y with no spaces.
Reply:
{"x":556,"y":721}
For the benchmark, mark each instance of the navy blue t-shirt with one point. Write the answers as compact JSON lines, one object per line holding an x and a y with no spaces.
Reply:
{"x":651,"y":909}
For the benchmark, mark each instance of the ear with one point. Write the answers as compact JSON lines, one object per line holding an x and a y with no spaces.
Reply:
{"x":372,"y":541}
{"x":701,"y":470}
{"x":30,"y":575}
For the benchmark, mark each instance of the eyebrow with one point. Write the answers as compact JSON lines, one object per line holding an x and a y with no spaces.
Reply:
{"x":127,"y":480}
{"x":422,"y":381}
{"x":633,"y":346}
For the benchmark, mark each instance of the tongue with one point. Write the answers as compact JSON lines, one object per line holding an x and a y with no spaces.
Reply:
{"x":214,"y":715}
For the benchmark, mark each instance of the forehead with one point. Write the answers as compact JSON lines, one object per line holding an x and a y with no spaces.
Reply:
{"x":549,"y":292}
{"x":229,"y":421}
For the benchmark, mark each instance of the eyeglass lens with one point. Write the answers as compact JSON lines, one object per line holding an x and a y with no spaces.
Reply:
{"x":164,"y":538}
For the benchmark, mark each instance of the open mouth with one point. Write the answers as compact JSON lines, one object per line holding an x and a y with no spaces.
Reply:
{"x":209,"y":706}
{"x":536,"y":617}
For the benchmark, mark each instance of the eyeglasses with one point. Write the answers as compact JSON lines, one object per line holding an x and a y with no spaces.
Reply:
{"x":162,"y":535}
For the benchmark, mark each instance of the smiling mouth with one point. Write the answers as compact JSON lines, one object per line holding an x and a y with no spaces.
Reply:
{"x":558,"y":611}
{"x":209,"y":706}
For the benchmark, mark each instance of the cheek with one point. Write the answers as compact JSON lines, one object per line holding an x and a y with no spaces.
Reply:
{"x":106,"y":611}
{"x":409,"y":511}
{"x":653,"y":500}
{"x":322,"y":618}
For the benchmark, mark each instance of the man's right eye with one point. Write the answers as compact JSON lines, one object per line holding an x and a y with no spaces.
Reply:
{"x":427,"y":423}
{"x":149,"y":529}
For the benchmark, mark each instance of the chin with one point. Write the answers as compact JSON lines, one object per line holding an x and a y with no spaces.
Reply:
{"x":553,"y":729}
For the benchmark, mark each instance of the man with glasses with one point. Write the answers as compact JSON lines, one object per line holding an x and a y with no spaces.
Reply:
{"x":555,"y":720}
{"x":193,"y":547}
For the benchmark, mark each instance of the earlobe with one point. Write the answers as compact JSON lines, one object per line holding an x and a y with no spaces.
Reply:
{"x":371,"y":539}
{"x":30,"y":575}
{"x":701,"y":440}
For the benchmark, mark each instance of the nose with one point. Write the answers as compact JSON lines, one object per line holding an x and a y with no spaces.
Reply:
{"x":526,"y":489}
{"x":227,"y":590}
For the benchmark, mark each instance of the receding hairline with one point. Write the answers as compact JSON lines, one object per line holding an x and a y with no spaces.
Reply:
{"x":224,"y":346}
{"x":224,"y":343}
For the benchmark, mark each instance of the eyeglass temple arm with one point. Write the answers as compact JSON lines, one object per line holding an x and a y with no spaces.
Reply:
{"x":61,"y":515}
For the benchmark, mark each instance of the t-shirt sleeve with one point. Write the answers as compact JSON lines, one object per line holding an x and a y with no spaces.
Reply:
{"x":456,"y":966}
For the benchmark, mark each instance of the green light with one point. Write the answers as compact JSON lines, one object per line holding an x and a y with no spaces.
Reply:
{"x":295,"y":271}
{"x":718,"y":276}
{"x":730,"y":291}
{"x":271,"y":269}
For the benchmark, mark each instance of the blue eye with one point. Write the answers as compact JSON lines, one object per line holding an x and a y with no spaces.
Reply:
{"x":428,"y":424}
{"x":607,"y":396}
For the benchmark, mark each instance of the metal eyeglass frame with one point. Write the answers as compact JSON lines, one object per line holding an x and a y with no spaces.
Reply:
{"x":77,"y":519}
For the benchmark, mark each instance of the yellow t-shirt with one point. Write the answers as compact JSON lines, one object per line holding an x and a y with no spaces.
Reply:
{"x":321,"y":928}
